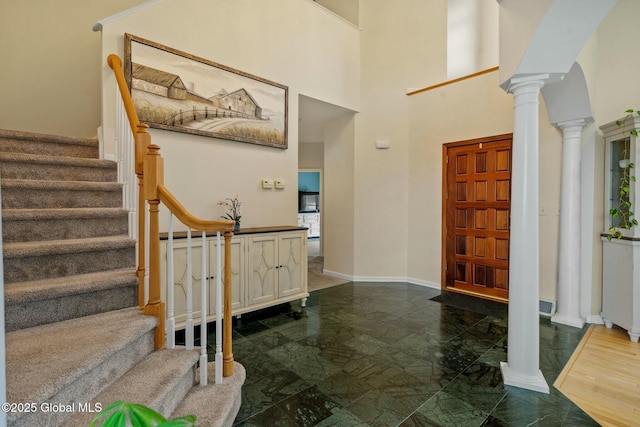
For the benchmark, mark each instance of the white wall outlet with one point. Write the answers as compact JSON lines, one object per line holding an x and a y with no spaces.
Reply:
{"x":267,"y":183}
{"x":544,"y":210}
{"x":280,"y":183}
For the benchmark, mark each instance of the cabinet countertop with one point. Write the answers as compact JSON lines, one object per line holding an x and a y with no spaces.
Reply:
{"x":252,"y":230}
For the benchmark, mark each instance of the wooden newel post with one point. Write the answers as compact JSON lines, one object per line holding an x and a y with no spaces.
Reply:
{"x":154,"y":176}
{"x":142,"y":140}
{"x":227,"y":351}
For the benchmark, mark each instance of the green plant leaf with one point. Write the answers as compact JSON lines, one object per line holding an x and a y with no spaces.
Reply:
{"x":619,"y":123}
{"x":629,"y":111}
{"x":105,"y":412}
{"x":146,"y":413}
{"x":634,"y":221}
{"x":634,"y":132}
{"x":117,"y":419}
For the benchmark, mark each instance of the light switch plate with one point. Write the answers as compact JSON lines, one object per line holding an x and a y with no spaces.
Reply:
{"x":267,"y":183}
{"x":280,"y":183}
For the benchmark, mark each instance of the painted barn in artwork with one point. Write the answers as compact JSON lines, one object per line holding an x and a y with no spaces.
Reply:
{"x":242,"y":101}
{"x":157,"y":82}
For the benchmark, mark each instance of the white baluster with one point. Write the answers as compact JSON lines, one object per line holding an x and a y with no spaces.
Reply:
{"x":218,"y":359}
{"x":171,"y":319}
{"x":203,"y":314}
{"x":189,"y":322}
{"x":146,"y":251}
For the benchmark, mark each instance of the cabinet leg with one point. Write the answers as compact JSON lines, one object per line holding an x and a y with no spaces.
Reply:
{"x":303,"y":302}
{"x":633,"y":336}
{"x":608,"y":323}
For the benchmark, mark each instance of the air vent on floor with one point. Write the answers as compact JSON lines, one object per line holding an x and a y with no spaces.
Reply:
{"x":547,"y":308}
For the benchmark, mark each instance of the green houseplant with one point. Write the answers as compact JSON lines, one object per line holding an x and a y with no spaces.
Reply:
{"x":622,"y":210}
{"x":122,"y":414}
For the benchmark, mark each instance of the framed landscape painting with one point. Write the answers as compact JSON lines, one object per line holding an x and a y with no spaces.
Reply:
{"x":176,"y":91}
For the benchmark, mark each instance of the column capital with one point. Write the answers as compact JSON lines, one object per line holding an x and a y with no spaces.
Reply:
{"x":572,"y":123}
{"x":533,"y":81}
{"x":572,"y":129}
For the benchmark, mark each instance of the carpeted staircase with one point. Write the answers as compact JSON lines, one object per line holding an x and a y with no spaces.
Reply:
{"x":74,"y":332}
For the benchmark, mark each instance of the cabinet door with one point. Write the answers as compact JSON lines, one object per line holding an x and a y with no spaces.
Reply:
{"x":237,"y":273}
{"x":292,"y":263}
{"x":180,"y":278}
{"x":262,"y":259}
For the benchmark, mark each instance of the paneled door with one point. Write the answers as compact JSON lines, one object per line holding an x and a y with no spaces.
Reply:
{"x":476,"y":211}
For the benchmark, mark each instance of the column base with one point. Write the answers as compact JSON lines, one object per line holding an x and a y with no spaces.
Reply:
{"x":576,"y":322}
{"x":534,"y":383}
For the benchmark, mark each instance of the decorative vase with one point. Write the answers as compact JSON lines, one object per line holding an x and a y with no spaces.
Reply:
{"x":236,"y":227}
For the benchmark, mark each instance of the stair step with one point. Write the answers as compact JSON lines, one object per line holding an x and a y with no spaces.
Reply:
{"x":160,"y":382}
{"x":26,"y":261}
{"x":33,"y":303}
{"x":34,"y":194}
{"x":73,"y":361}
{"x":216,"y":405}
{"x":52,"y":145}
{"x":39,"y":167}
{"x":27,"y":225}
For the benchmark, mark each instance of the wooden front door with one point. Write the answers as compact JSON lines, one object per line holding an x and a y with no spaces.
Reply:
{"x":476,"y":211}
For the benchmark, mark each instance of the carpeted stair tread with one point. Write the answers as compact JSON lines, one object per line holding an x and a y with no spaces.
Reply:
{"x":216,"y":405}
{"x":37,"y":143}
{"x":60,"y":185}
{"x":44,"y":360}
{"x":65,"y":246}
{"x":44,"y":214}
{"x":39,"y":167}
{"x":159,"y":381}
{"x":50,"y":194}
{"x":26,"y":225}
{"x":36,"y":290}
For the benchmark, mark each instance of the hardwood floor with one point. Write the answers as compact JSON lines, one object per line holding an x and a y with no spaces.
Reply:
{"x":603,"y":377}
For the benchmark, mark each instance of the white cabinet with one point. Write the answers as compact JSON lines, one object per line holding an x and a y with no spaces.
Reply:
{"x":621,"y":256}
{"x":267,"y":268}
{"x":277,"y":267}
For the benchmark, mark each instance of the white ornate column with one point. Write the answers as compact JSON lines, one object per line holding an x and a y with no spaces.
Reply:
{"x":523,"y":357}
{"x":568,"y":305}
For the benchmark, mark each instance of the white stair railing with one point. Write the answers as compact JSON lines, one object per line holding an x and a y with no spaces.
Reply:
{"x":190,"y":322}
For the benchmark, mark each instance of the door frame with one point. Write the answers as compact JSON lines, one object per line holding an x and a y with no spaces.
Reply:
{"x":445,"y":148}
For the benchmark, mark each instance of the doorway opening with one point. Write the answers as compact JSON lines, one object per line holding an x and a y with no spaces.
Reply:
{"x":309,"y":208}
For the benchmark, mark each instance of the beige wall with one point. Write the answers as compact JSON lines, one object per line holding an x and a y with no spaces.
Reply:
{"x":338,"y":212}
{"x":316,"y":53}
{"x":311,"y":156}
{"x":401,"y":47}
{"x":51,"y":65}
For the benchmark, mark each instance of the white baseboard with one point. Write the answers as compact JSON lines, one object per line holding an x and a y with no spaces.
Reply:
{"x":595,"y":319}
{"x":380,"y":279}
{"x":424,"y":283}
{"x":338,"y":275}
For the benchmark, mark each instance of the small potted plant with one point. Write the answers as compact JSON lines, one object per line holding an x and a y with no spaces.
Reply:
{"x":233,"y":210}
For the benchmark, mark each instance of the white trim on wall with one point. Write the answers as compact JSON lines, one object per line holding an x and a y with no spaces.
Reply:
{"x":381,"y":279}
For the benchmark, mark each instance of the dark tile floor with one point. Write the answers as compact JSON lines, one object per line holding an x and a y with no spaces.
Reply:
{"x":372,"y":354}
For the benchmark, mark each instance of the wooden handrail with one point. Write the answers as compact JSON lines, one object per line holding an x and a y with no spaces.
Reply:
{"x":449,"y":82}
{"x":198,"y":224}
{"x":149,"y":168}
{"x":116,"y":65}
